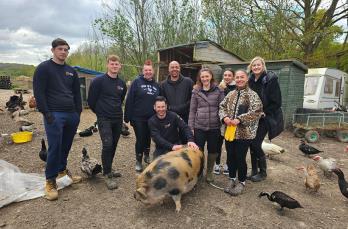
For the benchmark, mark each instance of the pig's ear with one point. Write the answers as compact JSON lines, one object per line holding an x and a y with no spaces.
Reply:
{"x":142,"y":192}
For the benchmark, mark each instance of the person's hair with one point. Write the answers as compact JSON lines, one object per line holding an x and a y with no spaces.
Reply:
{"x":112,"y":58}
{"x":204,"y":69}
{"x":160,"y":99}
{"x":228,"y":69}
{"x":59,"y":41}
{"x":242,"y":70}
{"x":148,"y":62}
{"x":255,"y":59}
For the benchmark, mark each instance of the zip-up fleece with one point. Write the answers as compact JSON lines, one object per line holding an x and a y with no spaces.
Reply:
{"x":245,"y":105}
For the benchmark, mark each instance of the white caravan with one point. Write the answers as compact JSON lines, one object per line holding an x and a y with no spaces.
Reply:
{"x":325,"y":88}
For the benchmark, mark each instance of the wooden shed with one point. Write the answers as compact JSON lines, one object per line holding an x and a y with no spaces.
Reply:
{"x":193,"y":56}
{"x":291,"y":75}
{"x":85,"y":76}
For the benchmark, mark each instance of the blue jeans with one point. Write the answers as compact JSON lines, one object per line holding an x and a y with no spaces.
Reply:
{"x":60,"y":135}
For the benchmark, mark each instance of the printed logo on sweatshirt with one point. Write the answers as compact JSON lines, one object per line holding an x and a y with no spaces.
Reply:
{"x":149,"y":89}
{"x":167,"y":126}
{"x":69,"y":74}
{"x":119,"y":88}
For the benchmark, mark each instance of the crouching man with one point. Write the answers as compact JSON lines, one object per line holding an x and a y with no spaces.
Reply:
{"x":57,"y":92}
{"x":165,"y":127}
{"x":105,"y":98}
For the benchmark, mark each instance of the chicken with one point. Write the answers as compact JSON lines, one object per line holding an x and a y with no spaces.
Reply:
{"x":271,"y":149}
{"x":43,"y":151}
{"x":312,"y":181}
{"x":125,"y":130}
{"x":32,"y":102}
{"x":307,"y":149}
{"x":327,"y":165}
{"x":89,"y":166}
{"x":87,"y":132}
{"x":20,"y":120}
{"x":342,"y":183}
{"x":282,"y":199}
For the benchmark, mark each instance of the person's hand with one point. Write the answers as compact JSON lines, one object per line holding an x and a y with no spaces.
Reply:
{"x":227,"y":121}
{"x":177,"y":147}
{"x":235,"y":122}
{"x":192,"y":145}
{"x":49,"y":117}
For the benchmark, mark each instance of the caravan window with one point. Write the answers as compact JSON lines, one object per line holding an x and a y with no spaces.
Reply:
{"x":311,"y":85}
{"x":329,"y":83}
{"x":338,"y":88}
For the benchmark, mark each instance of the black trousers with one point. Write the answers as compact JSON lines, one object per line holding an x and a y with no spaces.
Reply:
{"x":255,"y":146}
{"x":143,"y":138}
{"x":210,"y":137}
{"x":219,"y":149}
{"x":109,"y":131}
{"x":236,"y":158}
{"x":158,"y":152}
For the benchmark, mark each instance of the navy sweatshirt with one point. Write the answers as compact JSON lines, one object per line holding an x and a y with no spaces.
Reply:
{"x":165,"y":132}
{"x":56,"y":88}
{"x":106,"y":95}
{"x":140,"y":99}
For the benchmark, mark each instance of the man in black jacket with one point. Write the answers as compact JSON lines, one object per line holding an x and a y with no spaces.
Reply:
{"x":105,"y":98}
{"x":57,"y":93}
{"x":165,"y":126}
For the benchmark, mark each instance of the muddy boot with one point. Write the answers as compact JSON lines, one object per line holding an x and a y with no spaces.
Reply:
{"x":110,"y":181}
{"x":263,"y":173}
{"x":147,"y":156}
{"x":210,"y":167}
{"x":254,"y":166}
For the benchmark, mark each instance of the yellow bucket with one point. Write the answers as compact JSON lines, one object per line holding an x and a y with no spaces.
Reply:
{"x":21,"y":137}
{"x":230,"y":133}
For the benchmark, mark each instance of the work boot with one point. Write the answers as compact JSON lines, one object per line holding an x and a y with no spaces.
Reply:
{"x":51,"y":192}
{"x":138,"y":166}
{"x":263,"y":173}
{"x":237,"y":190}
{"x":75,"y":179}
{"x":210,"y":167}
{"x":110,"y":181}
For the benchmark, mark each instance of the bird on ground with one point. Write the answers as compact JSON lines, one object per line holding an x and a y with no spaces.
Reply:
{"x":89,"y":165}
{"x":271,"y":149}
{"x":43,"y":151}
{"x":20,"y":120}
{"x":327,"y":165}
{"x":282,"y":199}
{"x":342,"y":183}
{"x":307,"y":149}
{"x":87,"y":132}
{"x":312,"y":181}
{"x":125,"y":130}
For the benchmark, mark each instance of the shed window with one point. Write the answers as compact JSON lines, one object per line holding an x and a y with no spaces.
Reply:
{"x":329,"y":83}
{"x":338,"y":88}
{"x":311,"y":85}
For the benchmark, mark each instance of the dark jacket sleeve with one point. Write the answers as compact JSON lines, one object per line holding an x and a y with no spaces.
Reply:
{"x":128,"y":110}
{"x":274,"y":97}
{"x":39,"y":88}
{"x":93,"y":93}
{"x":124,"y":92}
{"x":157,"y":138}
{"x":77,"y":94}
{"x":184,"y":128}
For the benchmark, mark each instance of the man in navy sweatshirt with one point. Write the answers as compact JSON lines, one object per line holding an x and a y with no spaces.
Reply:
{"x":165,"y":126}
{"x":105,"y":98}
{"x":57,"y":93}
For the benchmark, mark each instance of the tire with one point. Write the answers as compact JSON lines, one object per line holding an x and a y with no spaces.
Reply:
{"x":299,"y":133}
{"x":342,"y":135}
{"x":312,"y":136}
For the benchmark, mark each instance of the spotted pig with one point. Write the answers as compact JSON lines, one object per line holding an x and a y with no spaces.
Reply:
{"x":172,"y":174}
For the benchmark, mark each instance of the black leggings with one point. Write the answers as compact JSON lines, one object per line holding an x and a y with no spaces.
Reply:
{"x":255,"y":146}
{"x":209,"y":136}
{"x":143,"y":138}
{"x":236,"y":158}
{"x":219,"y":149}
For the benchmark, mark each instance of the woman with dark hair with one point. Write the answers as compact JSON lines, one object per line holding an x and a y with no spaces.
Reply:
{"x":242,"y":109}
{"x":139,"y":108}
{"x":265,"y":84}
{"x":204,"y":116}
{"x":227,"y":84}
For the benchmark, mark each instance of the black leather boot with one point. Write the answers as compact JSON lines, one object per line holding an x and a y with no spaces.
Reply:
{"x":263,"y":170}
{"x":254,"y":166}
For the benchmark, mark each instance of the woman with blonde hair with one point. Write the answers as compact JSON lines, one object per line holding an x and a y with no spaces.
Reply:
{"x":265,"y":84}
{"x":204,"y":116}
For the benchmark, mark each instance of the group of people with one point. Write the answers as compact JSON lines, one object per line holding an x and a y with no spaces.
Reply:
{"x":174,"y":113}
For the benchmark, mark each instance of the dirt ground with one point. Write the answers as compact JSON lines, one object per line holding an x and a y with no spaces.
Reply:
{"x":90,"y":205}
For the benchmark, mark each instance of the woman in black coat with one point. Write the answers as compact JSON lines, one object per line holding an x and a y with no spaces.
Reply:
{"x":265,"y":84}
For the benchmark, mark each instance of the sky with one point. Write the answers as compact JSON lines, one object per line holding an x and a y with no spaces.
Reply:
{"x":27,"y":27}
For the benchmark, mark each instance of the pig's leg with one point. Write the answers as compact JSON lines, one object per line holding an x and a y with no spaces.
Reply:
{"x":177,"y":200}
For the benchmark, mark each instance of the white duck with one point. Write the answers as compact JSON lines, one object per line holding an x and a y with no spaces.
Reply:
{"x":271,"y":149}
{"x":327,"y":165}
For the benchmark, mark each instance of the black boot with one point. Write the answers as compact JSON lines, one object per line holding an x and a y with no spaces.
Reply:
{"x":147,"y":156}
{"x":254,"y":166}
{"x":262,"y":174}
{"x":138,"y":163}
